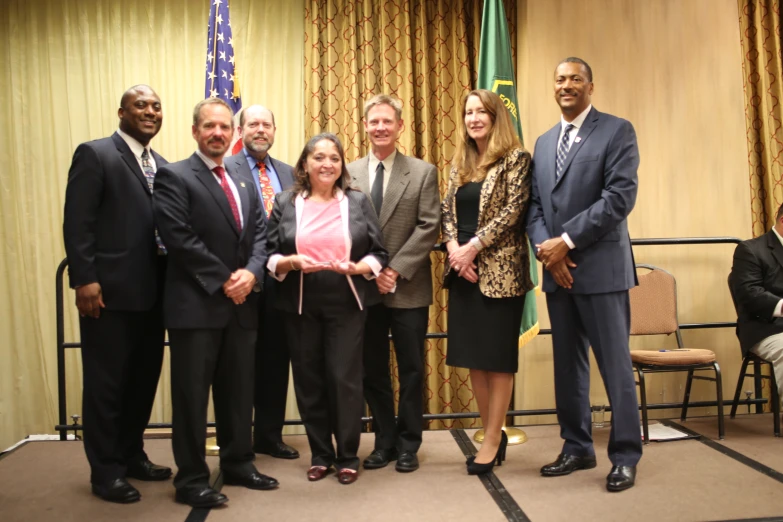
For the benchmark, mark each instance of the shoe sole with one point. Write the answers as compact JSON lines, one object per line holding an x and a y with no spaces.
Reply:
{"x":563,"y":474}
{"x":202,"y":506}
{"x":118,"y":501}
{"x":377,"y":466}
{"x":265,"y":488}
{"x":286,"y":457}
{"x":615,"y":489}
{"x":405,"y":470}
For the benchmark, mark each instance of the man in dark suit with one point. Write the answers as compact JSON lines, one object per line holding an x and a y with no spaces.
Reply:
{"x":117,"y":270}
{"x":584,"y":187}
{"x":269,"y":176}
{"x":211,"y":221}
{"x":404,"y":192}
{"x":757,"y":288}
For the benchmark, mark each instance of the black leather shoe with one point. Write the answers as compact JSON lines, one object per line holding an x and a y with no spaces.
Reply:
{"x":407,"y":461}
{"x":146,"y":470}
{"x":117,"y":490}
{"x":621,"y":478}
{"x":566,"y":464}
{"x":253,"y":480}
{"x":278,"y":450}
{"x":200,"y":497}
{"x":380,"y":458}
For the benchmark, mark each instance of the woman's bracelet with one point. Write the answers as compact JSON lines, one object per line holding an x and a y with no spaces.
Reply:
{"x":291,"y":262}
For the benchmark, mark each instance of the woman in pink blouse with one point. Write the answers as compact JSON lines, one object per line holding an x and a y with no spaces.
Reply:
{"x":325,"y":247}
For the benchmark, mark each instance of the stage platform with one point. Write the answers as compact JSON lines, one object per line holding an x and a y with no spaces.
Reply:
{"x":740,"y":478}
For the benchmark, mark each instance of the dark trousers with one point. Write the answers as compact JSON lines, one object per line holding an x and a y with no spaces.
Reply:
{"x":326,"y":358}
{"x":271,"y":379}
{"x":603,"y":322}
{"x":122,"y":353}
{"x":408,"y":327}
{"x":223,"y":359}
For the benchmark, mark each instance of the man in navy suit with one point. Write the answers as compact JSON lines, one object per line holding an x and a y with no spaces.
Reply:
{"x":584,"y":187}
{"x":210,"y":219}
{"x":269,"y":176}
{"x":117,"y":269}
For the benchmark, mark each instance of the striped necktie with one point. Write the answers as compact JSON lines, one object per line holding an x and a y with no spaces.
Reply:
{"x":562,"y":151}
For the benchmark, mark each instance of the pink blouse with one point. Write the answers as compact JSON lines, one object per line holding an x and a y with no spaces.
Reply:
{"x":320,"y":234}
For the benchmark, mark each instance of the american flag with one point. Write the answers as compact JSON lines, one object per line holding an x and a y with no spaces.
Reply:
{"x":222,"y":78}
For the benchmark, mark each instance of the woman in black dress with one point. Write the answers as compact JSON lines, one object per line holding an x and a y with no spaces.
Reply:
{"x":488,"y":270}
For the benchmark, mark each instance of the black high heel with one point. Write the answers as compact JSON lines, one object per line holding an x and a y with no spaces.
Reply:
{"x":475,"y":468}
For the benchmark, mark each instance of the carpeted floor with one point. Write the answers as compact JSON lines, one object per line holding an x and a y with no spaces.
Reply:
{"x":682,"y":480}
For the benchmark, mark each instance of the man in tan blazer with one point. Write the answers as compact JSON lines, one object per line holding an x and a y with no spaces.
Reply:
{"x":404,"y":193}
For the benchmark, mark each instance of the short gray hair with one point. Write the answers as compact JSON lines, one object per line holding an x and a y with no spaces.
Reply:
{"x":384,"y":99}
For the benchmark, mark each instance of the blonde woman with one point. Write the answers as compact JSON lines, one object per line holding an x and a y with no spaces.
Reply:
{"x":488,"y":264}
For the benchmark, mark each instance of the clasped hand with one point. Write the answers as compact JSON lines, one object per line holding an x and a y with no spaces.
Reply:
{"x":239,"y":285}
{"x":461,"y":259}
{"x":307,"y":265}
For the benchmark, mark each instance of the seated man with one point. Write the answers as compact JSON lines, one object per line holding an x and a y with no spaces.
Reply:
{"x":756,"y":282}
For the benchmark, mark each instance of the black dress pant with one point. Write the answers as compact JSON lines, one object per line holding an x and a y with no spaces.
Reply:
{"x":223,"y":359}
{"x":272,"y":363}
{"x":326,"y":358}
{"x":122,"y":353}
{"x":408,"y":327}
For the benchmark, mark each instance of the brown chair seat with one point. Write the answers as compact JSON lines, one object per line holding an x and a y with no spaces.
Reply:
{"x":681,"y":356}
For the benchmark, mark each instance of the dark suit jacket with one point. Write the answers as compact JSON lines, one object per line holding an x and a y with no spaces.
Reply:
{"x":285,"y":172}
{"x":756,"y":284}
{"x":591,"y":202}
{"x":196,"y":224}
{"x":365,"y":236}
{"x":108,"y":224}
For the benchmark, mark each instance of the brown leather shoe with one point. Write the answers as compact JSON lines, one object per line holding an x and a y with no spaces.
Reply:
{"x":347,"y":476}
{"x":317,"y":473}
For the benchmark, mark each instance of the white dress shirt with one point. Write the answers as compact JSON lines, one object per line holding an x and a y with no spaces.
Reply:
{"x":137,"y":149}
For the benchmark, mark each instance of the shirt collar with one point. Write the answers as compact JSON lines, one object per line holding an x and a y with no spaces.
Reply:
{"x":252,"y":161}
{"x":778,"y":235}
{"x":136,"y":148}
{"x":578,"y":121}
{"x":209,"y":162}
{"x":388,"y":162}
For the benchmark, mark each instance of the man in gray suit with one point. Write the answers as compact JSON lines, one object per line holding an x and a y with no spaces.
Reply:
{"x":404,"y":192}
{"x":270,"y":176}
{"x":584,"y":187}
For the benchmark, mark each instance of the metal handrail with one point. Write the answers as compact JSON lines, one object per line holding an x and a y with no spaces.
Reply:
{"x":63,"y":426}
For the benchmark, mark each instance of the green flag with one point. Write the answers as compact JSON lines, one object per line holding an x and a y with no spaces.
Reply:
{"x":496,"y":74}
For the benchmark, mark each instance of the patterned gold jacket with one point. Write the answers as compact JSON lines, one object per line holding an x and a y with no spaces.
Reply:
{"x":504,"y":263}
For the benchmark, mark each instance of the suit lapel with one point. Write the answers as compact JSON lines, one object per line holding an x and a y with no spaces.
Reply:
{"x":590,"y":123}
{"x":242,"y":185}
{"x":398,"y":180}
{"x":130,"y":161}
{"x":775,"y":246}
{"x":284,"y":175}
{"x":362,"y":176}
{"x":213,"y":187}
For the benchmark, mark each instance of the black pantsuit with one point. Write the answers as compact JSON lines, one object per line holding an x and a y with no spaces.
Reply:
{"x":122,"y":354}
{"x":326,"y":358}
{"x":221,"y":358}
{"x":602,"y":321}
{"x":409,"y":328}
{"x":272,"y":362}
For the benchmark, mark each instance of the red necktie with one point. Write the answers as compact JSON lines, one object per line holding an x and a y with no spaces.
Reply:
{"x":221,"y":173}
{"x":267,"y":191}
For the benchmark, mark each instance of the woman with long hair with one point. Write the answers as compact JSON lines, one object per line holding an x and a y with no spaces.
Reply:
{"x":488,"y":267}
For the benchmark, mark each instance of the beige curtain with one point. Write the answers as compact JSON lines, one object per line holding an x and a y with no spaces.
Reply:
{"x":63,"y":66}
{"x":425,"y":53}
{"x":762,"y":72}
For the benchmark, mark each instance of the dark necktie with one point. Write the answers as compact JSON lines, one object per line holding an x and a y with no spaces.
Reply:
{"x":562,"y":151}
{"x":376,"y":192}
{"x":221,"y":173}
{"x":149,"y":174}
{"x":267,"y":191}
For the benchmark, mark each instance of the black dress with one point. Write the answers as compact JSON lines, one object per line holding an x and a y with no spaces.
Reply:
{"x":483,"y":332}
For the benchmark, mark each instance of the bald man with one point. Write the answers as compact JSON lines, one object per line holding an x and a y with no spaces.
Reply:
{"x":117,"y":266}
{"x":270,"y":176}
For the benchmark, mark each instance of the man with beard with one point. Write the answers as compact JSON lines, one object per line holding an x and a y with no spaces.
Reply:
{"x":269,"y":176}
{"x":117,"y":267}
{"x":211,"y":221}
